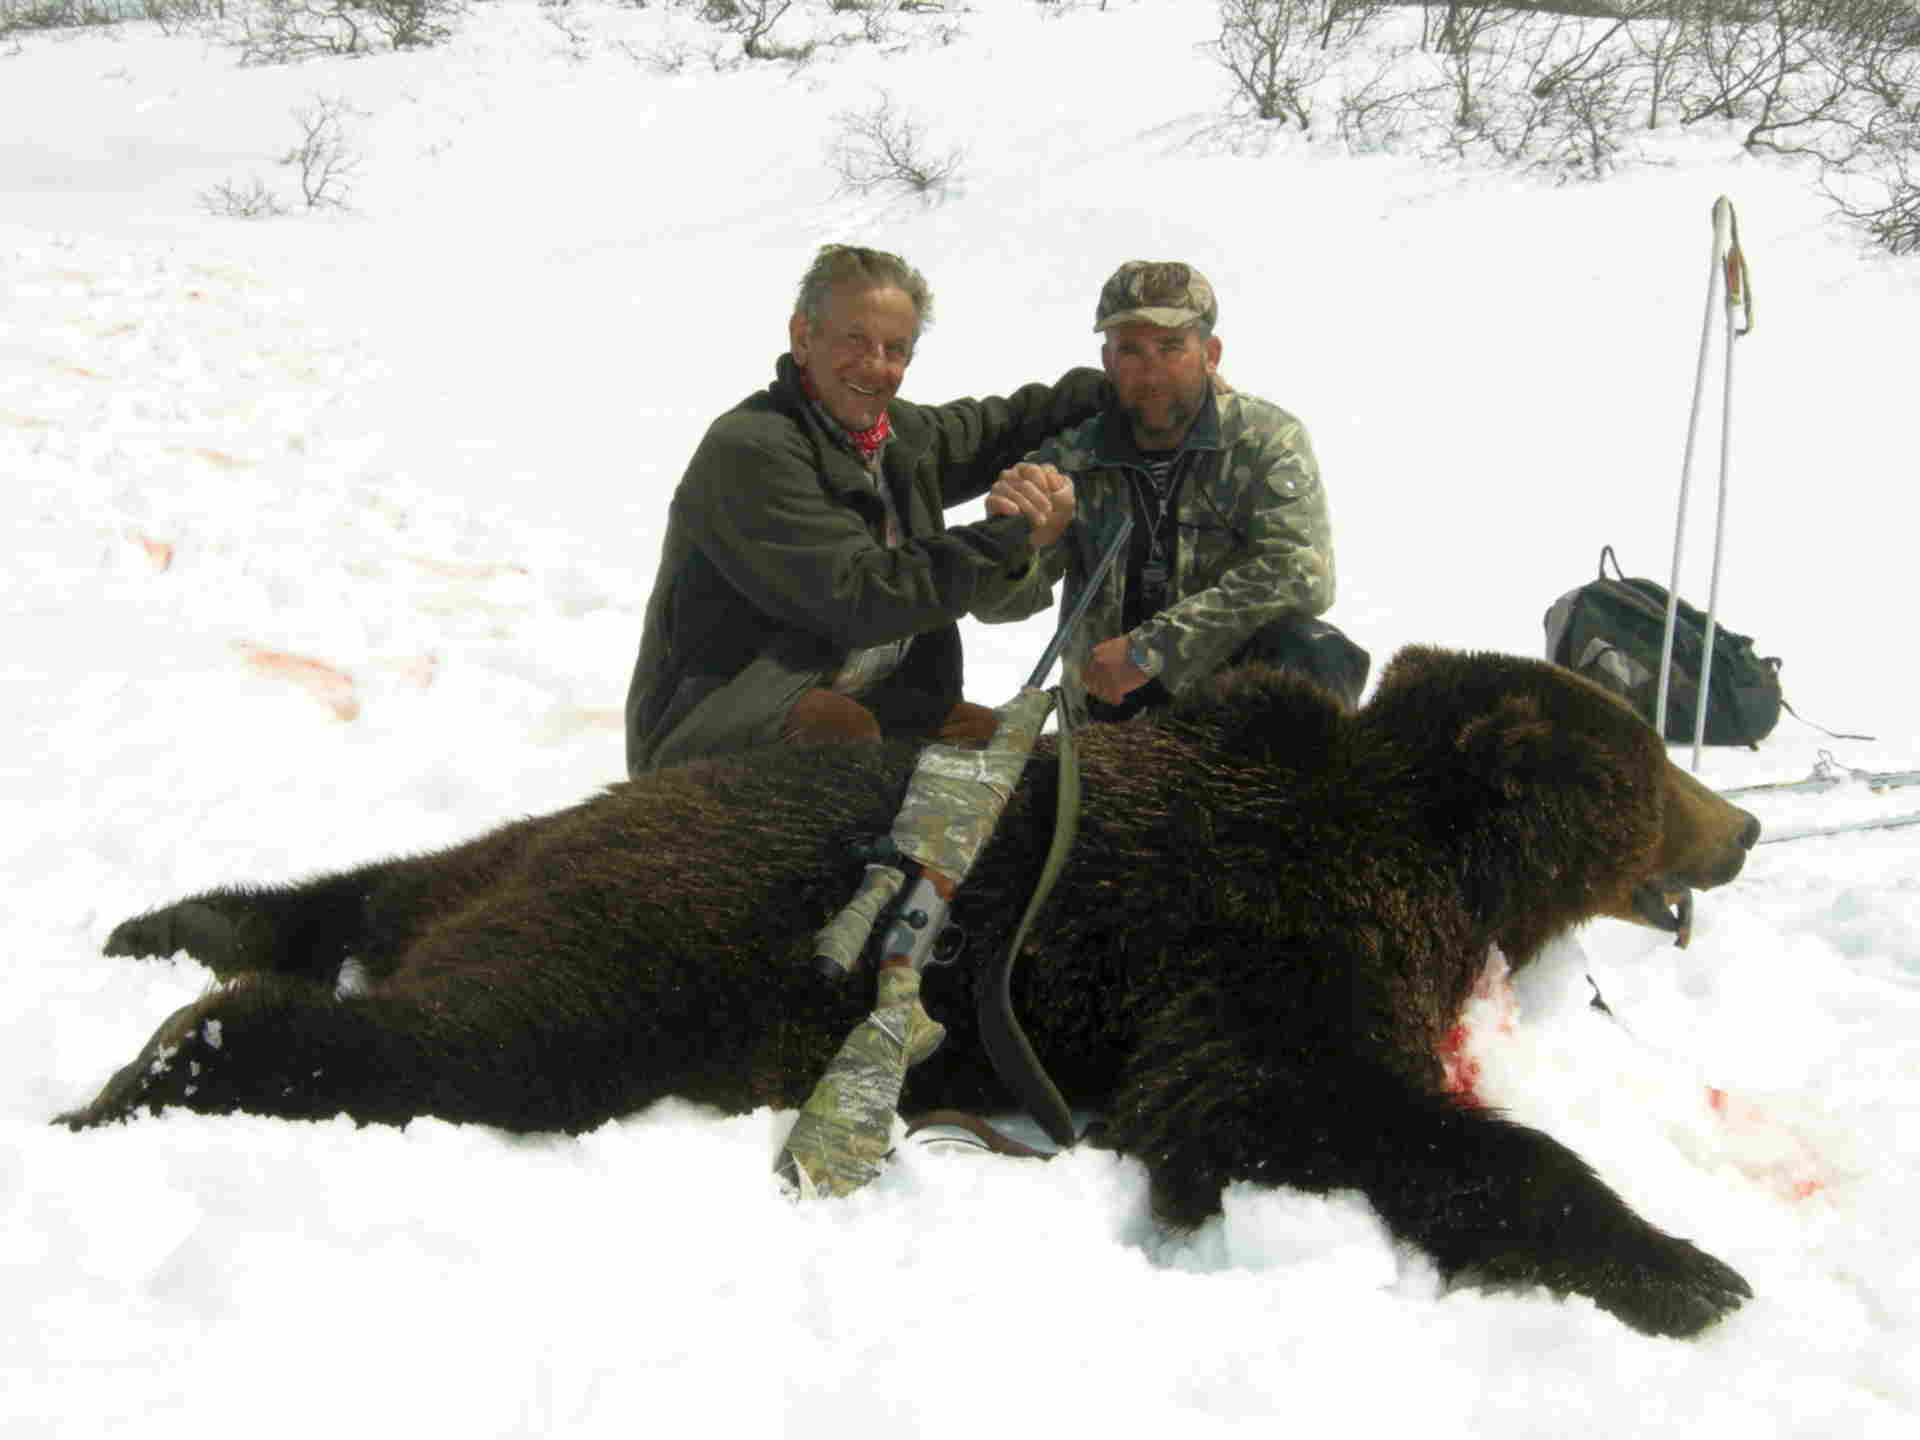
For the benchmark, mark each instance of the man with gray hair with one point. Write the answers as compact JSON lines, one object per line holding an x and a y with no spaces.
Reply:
{"x":1231,"y":558}
{"x":808,"y":587}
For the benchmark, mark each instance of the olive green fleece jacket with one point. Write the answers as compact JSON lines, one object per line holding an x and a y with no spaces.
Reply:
{"x":774,"y":569}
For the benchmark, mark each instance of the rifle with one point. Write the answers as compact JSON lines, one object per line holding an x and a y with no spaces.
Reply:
{"x":953,"y":803}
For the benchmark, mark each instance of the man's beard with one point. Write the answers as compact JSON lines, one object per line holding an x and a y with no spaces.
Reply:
{"x":1181,"y":410}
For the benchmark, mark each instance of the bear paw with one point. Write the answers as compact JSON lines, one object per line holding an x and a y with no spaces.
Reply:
{"x":1655,"y":1282}
{"x":165,"y":1072}
{"x":1673,"y":1288}
{"x":218,"y":941}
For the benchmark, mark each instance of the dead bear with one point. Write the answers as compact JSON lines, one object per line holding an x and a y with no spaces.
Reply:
{"x":1273,"y":915}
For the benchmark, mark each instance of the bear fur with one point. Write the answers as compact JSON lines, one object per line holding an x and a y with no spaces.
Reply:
{"x":1272,"y":917}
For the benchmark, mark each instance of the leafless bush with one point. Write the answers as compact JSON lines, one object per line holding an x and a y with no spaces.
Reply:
{"x":251,"y":201}
{"x":173,"y":16}
{"x":883,"y":148}
{"x":17,"y":16}
{"x":1881,"y":193}
{"x":414,"y":24}
{"x":285,"y":32}
{"x":1277,"y":52}
{"x":323,"y":157}
{"x":752,"y":21}
{"x":1378,"y":111}
{"x":875,"y":17}
{"x":575,"y":37}
{"x":1832,"y":82}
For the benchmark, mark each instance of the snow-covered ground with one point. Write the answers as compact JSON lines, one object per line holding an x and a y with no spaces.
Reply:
{"x":328,"y":538}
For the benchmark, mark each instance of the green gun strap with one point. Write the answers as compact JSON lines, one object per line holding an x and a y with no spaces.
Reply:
{"x":1006,"y":1043}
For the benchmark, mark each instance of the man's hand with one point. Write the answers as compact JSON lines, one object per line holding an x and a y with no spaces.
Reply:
{"x":1109,"y":674}
{"x":1041,"y":493}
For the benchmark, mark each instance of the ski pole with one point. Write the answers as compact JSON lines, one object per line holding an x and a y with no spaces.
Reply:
{"x":1739,"y":294}
{"x":1727,"y":264}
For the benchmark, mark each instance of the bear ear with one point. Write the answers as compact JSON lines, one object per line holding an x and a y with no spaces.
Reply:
{"x":1508,"y":746}
{"x":1409,"y":666}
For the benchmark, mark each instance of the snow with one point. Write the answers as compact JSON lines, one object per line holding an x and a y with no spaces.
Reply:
{"x":330,"y":537}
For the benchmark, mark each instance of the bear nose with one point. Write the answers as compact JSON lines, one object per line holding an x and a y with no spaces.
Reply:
{"x":1750,"y":832}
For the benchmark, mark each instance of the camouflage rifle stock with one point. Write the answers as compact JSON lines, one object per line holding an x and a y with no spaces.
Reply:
{"x":953,"y":803}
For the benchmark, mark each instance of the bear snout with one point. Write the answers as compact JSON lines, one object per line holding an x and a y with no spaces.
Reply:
{"x":1706,"y":837}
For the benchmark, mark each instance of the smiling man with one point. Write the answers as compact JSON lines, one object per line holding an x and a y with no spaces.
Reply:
{"x":1232,"y":551}
{"x":809,"y":587}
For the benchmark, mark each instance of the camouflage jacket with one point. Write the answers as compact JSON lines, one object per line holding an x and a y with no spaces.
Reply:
{"x":1255,"y":543}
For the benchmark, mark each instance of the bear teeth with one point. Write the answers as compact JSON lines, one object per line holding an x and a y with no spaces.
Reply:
{"x":1668,"y":907}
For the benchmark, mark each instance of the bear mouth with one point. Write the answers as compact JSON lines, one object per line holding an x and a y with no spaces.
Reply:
{"x":1666,"y":905}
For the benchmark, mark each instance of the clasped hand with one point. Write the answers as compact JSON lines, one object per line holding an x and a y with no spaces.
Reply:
{"x":1041,"y":493}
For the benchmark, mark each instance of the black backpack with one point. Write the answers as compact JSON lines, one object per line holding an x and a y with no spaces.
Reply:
{"x":1610,"y":630}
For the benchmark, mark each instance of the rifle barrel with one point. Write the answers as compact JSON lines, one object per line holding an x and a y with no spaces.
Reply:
{"x":1080,"y":604}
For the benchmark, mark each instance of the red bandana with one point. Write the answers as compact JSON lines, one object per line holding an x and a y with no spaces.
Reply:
{"x":866,"y":442}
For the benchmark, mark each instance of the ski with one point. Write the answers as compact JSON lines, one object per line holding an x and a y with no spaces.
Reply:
{"x":1828,"y":774}
{"x":1891,"y":822}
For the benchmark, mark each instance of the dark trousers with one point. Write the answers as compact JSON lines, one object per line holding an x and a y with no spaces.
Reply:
{"x":1313,"y":648}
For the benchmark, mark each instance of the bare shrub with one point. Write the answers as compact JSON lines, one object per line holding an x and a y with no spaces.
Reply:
{"x":752,"y":21}
{"x":875,"y":17}
{"x":1884,"y":201}
{"x":413,"y":24}
{"x":884,"y":148}
{"x":173,"y":16}
{"x":1831,"y":82}
{"x":19,"y":16}
{"x":249,"y":201}
{"x":285,"y":32}
{"x":323,"y":157}
{"x":1277,"y":52}
{"x":1378,"y":111}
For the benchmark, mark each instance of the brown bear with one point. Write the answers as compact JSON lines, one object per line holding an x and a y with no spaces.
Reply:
{"x":1270,"y":921}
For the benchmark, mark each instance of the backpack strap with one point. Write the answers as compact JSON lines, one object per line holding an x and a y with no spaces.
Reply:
{"x":1836,"y":734}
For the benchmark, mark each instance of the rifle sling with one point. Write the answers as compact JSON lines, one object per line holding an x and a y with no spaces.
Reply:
{"x":1013,"y":1056}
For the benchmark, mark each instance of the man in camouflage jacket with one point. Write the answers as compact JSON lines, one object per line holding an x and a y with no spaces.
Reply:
{"x":808,"y":586}
{"x":1231,"y":557}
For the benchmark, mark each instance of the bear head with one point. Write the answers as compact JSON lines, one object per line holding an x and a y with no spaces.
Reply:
{"x":1560,"y":801}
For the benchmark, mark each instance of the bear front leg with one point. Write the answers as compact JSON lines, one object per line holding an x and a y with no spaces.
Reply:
{"x":1500,"y":1205}
{"x":1229,"y":1083}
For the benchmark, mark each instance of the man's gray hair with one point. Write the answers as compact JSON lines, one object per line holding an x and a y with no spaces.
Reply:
{"x":864,"y":269}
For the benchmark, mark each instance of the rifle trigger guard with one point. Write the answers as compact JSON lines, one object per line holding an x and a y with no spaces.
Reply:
{"x":946,"y":949}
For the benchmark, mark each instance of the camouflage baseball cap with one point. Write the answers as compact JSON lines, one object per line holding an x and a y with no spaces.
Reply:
{"x":1156,"y":292}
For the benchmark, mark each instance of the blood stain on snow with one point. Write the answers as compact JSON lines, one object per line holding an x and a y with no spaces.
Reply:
{"x":158,"y":551}
{"x":331,"y":687}
{"x":1765,"y":1150}
{"x":419,"y":671}
{"x":453,"y":571}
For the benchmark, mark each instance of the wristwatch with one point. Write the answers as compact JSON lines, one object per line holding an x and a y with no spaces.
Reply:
{"x":1138,"y":655}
